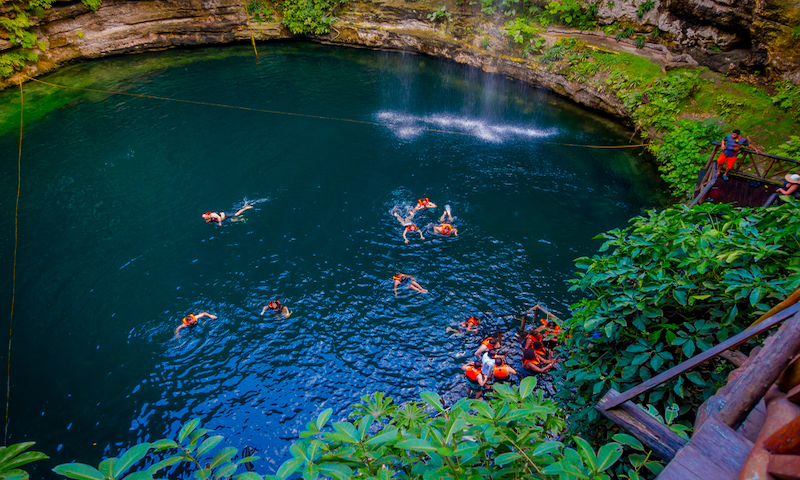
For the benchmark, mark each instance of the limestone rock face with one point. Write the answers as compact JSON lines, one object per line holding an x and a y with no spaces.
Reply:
{"x":729,"y":36}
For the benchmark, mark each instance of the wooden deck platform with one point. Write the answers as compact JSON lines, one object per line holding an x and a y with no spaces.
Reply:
{"x":740,"y":190}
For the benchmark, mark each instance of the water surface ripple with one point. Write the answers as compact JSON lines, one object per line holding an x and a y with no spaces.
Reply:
{"x":113,"y":252}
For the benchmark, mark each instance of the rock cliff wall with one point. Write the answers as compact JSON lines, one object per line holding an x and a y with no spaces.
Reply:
{"x":729,"y":35}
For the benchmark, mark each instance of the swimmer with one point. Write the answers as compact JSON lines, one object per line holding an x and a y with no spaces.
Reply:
{"x":468,"y":325}
{"x":412,"y":228}
{"x":502,"y":371}
{"x":475,"y":380}
{"x":490,"y":343}
{"x":533,"y":336}
{"x":191,"y":320}
{"x":219,"y":217}
{"x":275,"y":305}
{"x":407,"y":281}
{"x":403,"y":220}
{"x":535,"y":359}
{"x":445,"y":226}
{"x":422,"y":204}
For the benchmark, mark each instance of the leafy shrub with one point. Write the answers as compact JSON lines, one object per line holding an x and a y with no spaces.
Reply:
{"x":439,"y":14}
{"x":658,"y":104}
{"x":787,"y":98}
{"x":644,"y":7}
{"x":487,"y":7}
{"x":790,"y":149}
{"x":641,"y":40}
{"x":675,"y":283}
{"x":626,"y":32}
{"x":485,"y":42}
{"x":522,"y":32}
{"x":571,"y":13}
{"x":725,"y":105}
{"x":310,"y":16}
{"x":260,"y":10}
{"x":796,"y":32}
{"x":12,"y":457}
{"x":93,"y":4}
{"x":508,"y":437}
{"x":683,"y":151}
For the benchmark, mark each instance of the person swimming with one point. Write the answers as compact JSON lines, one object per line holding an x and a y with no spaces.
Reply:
{"x":220,"y":217}
{"x":275,"y":306}
{"x":406,"y":281}
{"x":422,"y":204}
{"x":445,"y":226}
{"x":412,"y":228}
{"x":190,"y":321}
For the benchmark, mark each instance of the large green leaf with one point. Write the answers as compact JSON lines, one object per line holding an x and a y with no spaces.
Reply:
{"x":608,"y":456}
{"x":629,"y":440}
{"x":208,"y":444}
{"x":78,"y":471}
{"x":249,"y":476}
{"x":23,"y":459}
{"x":416,"y":444}
{"x":187,"y":429}
{"x":224,"y":455}
{"x":526,"y":386}
{"x":289,"y":467}
{"x":133,"y":455}
{"x":323,"y":417}
{"x":433,"y":399}
{"x":387,"y":435}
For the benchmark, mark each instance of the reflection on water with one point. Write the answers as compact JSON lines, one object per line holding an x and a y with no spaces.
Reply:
{"x":113,"y":252}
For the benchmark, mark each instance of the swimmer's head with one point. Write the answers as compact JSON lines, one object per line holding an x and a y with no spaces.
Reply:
{"x":190,"y":320}
{"x":207,"y":216}
{"x":447,"y":229}
{"x":477,"y":364}
{"x":397,"y":276}
{"x":274,"y":304}
{"x":411,"y":227}
{"x":537,"y":345}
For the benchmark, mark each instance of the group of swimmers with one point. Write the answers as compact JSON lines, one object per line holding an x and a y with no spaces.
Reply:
{"x":190,"y":321}
{"x":492,"y":367}
{"x":445,"y":226}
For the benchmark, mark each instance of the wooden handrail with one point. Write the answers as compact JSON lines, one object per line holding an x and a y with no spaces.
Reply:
{"x":673,"y":372}
{"x":768,"y":155}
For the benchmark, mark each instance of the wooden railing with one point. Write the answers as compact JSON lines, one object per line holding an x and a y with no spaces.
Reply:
{"x":762,"y":167}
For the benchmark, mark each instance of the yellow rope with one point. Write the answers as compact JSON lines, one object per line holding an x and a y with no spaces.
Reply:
{"x":275,"y":112}
{"x":252,"y":38}
{"x":14,"y":267}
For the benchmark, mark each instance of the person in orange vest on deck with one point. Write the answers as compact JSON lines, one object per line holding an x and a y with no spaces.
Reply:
{"x":190,"y":320}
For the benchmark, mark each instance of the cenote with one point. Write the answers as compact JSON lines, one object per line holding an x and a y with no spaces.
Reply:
{"x":113,"y":251}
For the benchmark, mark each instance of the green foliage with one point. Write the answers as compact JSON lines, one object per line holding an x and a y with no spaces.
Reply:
{"x":522,"y":32}
{"x":641,"y":40}
{"x":790,"y":149}
{"x":658,"y":103}
{"x":485,"y":42}
{"x":671,"y":285}
{"x":188,"y":449}
{"x":13,"y":457}
{"x":310,"y":16}
{"x":612,"y":28}
{"x":796,"y":32}
{"x":571,"y":13}
{"x":260,"y":10}
{"x":787,"y":97}
{"x":626,"y":32}
{"x":439,"y":14}
{"x":724,"y":105}
{"x":507,"y":437}
{"x":559,"y":50}
{"x":17,"y":23}
{"x":682,"y":152}
{"x":644,"y":7}
{"x":93,"y":4}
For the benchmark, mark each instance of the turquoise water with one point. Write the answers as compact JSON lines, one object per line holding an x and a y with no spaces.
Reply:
{"x":113,"y":252}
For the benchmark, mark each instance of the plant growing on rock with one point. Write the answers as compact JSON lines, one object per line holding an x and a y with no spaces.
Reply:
{"x":644,"y":7}
{"x":439,"y":14}
{"x":672,"y":284}
{"x":787,"y":97}
{"x":310,"y":16}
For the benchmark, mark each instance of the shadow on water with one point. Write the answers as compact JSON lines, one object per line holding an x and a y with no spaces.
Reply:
{"x":113,"y":252}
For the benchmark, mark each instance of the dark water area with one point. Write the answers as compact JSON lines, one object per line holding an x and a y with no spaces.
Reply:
{"x":113,"y":251}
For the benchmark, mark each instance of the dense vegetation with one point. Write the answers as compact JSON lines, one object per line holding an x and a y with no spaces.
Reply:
{"x":512,"y":436}
{"x":675,"y":283}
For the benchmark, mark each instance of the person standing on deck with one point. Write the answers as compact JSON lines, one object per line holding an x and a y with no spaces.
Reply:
{"x":730,"y":150}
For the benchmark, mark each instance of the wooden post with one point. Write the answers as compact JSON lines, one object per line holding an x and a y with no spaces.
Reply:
{"x":764,"y":369}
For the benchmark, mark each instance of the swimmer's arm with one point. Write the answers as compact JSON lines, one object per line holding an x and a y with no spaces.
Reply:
{"x":455,"y":231}
{"x":178,"y":329}
{"x":404,"y":236}
{"x":420,"y":235}
{"x":205,"y":314}
{"x":263,"y":310}
{"x":395,"y":287}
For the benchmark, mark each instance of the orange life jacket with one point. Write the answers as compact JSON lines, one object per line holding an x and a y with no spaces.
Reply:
{"x":447,"y":229}
{"x":423,"y":202}
{"x":486,"y":342}
{"x":411,"y":228}
{"x":192,"y":320}
{"x":274,"y":305}
{"x":501,"y":371}
{"x":472,"y":373}
{"x":473,"y":321}
{"x":398,"y":277}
